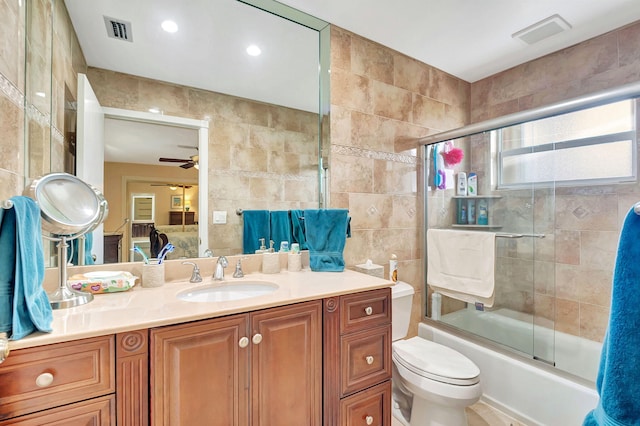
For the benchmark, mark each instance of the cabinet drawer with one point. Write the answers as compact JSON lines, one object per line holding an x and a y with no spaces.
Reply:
{"x":368,"y":408}
{"x":366,"y":359}
{"x":43,"y":377}
{"x":97,"y":412}
{"x":365,"y":310}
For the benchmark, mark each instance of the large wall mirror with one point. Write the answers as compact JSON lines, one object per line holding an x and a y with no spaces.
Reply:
{"x":260,"y":120}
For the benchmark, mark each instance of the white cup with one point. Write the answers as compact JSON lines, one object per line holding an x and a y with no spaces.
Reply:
{"x":152,"y":273}
{"x":294,"y":262}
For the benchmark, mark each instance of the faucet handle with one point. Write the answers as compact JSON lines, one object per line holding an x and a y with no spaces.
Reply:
{"x":195,"y":274}
{"x":238,"y":273}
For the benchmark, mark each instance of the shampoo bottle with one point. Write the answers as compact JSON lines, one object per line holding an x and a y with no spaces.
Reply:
{"x":462,"y":212}
{"x":483,"y":212}
{"x":471,"y":211}
{"x":472,"y":185}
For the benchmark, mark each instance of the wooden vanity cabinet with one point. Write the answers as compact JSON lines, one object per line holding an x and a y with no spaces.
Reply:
{"x":69,"y":383}
{"x":357,"y":359}
{"x":259,"y":368}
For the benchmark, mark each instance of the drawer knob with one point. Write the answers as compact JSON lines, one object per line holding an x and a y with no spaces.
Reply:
{"x":369,"y":420}
{"x":368,"y":310}
{"x":244,"y":342}
{"x":44,"y":380}
{"x":257,"y":338}
{"x":369,"y":359}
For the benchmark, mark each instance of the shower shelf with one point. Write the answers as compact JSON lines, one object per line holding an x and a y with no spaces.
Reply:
{"x":463,"y":200}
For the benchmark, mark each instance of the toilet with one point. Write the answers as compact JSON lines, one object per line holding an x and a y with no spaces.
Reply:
{"x":432,"y":384}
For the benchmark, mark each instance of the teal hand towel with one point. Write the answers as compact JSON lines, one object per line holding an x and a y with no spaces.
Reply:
{"x":22,"y":271}
{"x":326,"y":237}
{"x":279,"y":227}
{"x":88,"y":246}
{"x":618,"y":381}
{"x":298,"y":229}
{"x":255,"y":225}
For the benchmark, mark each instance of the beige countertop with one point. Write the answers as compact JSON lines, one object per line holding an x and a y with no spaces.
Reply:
{"x":141,"y":308}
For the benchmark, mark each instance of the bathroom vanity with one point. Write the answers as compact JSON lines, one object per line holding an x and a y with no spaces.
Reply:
{"x":316,"y":351}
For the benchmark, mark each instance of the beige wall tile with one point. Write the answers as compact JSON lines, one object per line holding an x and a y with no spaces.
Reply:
{"x":629,"y":45}
{"x":390,"y":101}
{"x":593,"y":321}
{"x":351,"y":174}
{"x":372,"y":60}
{"x":568,"y":316}
{"x":598,"y":249}
{"x":12,"y":30}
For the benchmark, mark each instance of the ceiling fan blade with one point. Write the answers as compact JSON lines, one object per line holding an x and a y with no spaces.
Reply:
{"x":174,"y":160}
{"x":188,"y":165}
{"x":188,"y":147}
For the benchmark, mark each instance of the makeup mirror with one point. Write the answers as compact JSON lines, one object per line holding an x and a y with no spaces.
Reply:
{"x":69,"y":208}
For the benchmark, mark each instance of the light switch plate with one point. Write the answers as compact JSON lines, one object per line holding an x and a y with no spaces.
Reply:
{"x":219,"y":217}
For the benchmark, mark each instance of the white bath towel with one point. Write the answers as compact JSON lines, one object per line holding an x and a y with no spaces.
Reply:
{"x":461,"y":264}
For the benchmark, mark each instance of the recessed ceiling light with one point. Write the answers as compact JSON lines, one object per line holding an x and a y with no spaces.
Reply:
{"x":41,"y":94}
{"x":169,"y":26}
{"x":154,"y":110}
{"x":253,"y":50}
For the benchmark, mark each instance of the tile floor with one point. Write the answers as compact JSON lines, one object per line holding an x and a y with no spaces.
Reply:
{"x":481,"y":414}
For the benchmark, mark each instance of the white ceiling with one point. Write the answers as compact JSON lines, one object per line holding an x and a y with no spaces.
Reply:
{"x":470,"y":39}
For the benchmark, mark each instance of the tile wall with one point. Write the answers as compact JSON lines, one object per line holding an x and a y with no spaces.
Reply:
{"x":381,"y":101}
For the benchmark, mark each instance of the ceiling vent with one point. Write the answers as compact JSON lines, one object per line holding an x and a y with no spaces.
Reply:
{"x":118,"y":29}
{"x":544,"y":29}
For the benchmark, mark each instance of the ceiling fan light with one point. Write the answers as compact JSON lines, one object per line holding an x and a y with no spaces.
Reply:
{"x":196,"y":166}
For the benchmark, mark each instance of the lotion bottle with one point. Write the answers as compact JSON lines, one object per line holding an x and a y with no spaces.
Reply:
{"x":393,"y":268}
{"x":461,"y":186}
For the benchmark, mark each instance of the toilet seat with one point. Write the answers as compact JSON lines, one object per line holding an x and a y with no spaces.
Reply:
{"x":435,"y":362}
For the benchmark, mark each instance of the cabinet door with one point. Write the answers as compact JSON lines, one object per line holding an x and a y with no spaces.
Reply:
{"x":199,"y":373}
{"x":286,"y":365}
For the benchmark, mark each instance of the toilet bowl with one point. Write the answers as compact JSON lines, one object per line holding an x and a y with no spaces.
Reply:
{"x":432,"y":384}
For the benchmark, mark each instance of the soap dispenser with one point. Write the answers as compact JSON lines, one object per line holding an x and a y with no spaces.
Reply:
{"x":270,"y":260}
{"x":263,"y":248}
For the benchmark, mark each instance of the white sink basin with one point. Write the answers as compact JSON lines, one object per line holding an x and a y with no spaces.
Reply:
{"x":227,"y":291}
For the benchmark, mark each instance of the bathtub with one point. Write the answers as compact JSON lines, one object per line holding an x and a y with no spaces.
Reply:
{"x":532,"y":394}
{"x":573,"y":354}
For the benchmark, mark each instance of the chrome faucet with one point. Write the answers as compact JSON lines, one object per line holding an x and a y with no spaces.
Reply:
{"x":195,"y":274}
{"x":222,"y":263}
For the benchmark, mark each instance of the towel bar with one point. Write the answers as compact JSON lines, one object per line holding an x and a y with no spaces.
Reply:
{"x":7,"y":204}
{"x":501,"y":235}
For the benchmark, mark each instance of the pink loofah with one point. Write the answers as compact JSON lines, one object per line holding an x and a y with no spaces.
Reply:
{"x":453,"y":156}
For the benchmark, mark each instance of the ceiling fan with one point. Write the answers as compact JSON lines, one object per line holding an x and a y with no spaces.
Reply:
{"x":188,"y":163}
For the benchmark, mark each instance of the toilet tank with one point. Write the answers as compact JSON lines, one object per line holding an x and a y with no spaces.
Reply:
{"x":401,"y":301}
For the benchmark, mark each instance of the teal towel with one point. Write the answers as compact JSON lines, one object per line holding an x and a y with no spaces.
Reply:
{"x":297,"y":228}
{"x":279,"y":227}
{"x":88,"y":246}
{"x":326,"y":237}
{"x":255,"y":225}
{"x":22,"y":271}
{"x":618,"y":381}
